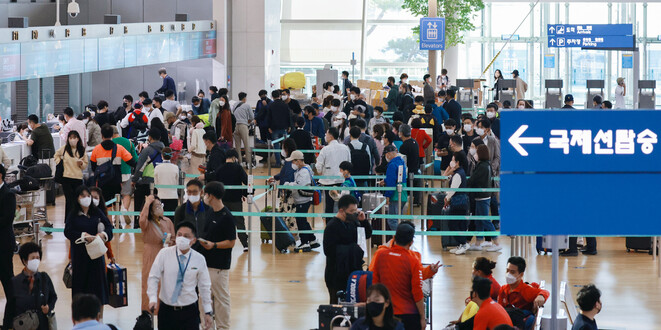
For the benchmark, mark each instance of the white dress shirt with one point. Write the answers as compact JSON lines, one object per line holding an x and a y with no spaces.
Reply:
{"x":166,"y":269}
{"x":329,"y":159}
{"x":166,"y":173}
{"x":154,"y":113}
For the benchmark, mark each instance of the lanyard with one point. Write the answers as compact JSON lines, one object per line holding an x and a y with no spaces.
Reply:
{"x":183,"y":271}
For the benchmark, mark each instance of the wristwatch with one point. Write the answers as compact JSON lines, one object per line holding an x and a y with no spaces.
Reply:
{"x":209,"y":313}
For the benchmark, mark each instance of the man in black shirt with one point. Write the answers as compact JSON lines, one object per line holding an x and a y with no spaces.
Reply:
{"x":492,"y":111}
{"x":233,"y":174}
{"x":102,"y":117}
{"x":589,"y":300}
{"x":411,"y":150}
{"x":218,"y":239}
{"x":468,"y":131}
{"x":293,"y":105}
{"x":279,"y":119}
{"x":303,"y":139}
{"x":216,"y":156}
{"x":452,"y":107}
{"x":41,"y":139}
{"x":343,"y":255}
{"x":443,"y":146}
{"x":569,"y":102}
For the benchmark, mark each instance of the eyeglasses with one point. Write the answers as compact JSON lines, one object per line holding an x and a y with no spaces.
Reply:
{"x":159,"y":205}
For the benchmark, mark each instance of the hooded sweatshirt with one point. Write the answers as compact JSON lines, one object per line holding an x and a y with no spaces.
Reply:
{"x":144,"y":171}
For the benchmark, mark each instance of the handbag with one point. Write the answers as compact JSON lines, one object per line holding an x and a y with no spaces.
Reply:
{"x":26,"y":321}
{"x":67,"y":277}
{"x":59,"y":171}
{"x":95,"y":249}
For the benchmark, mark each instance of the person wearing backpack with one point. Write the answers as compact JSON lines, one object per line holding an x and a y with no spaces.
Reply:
{"x":143,"y":176}
{"x":360,"y":153}
{"x":106,"y":161}
{"x":134,"y":123}
{"x":302,"y":199}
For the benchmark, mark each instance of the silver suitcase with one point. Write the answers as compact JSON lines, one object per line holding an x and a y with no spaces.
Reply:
{"x":372,"y":200}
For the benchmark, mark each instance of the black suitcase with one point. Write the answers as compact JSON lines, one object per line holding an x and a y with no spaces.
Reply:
{"x":328,"y":312}
{"x":282,"y":240}
{"x":435,"y":207}
{"x":639,"y":243}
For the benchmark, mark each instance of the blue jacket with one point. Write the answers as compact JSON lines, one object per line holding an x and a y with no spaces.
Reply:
{"x":391,"y":178}
{"x":286,"y":173}
{"x":261,"y":112}
{"x":203,"y":108}
{"x":439,"y":113}
{"x":168,"y":84}
{"x":315,"y":127}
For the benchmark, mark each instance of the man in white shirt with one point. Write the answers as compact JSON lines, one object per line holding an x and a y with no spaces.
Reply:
{"x":73,"y":124}
{"x":170,"y":104}
{"x":151,"y":112}
{"x":178,"y":300}
{"x":328,"y":164}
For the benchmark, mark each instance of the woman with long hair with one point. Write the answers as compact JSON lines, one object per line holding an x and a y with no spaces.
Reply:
{"x":100,"y":202}
{"x":87,"y":222}
{"x":224,"y":122}
{"x":157,"y":232}
{"x":379,"y":311}
{"x":74,"y":159}
{"x":157,"y":124}
{"x":497,"y":78}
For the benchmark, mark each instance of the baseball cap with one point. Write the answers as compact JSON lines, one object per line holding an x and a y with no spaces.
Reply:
{"x":405,"y":129}
{"x":404,"y":233}
{"x":389,"y":148}
{"x":295,"y":155}
{"x":569,"y":98}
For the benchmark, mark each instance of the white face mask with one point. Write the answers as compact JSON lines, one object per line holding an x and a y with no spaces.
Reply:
{"x":334,"y":109}
{"x":183,"y":243}
{"x":73,"y":142}
{"x":521,"y":107}
{"x":284,"y":97}
{"x":479,"y":131}
{"x":404,"y":81}
{"x":95,"y":201}
{"x":86,"y":201}
{"x":472,"y":151}
{"x":189,"y":116}
{"x":468,"y":127}
{"x":33,"y":265}
{"x":294,"y":167}
{"x":182,"y":117}
{"x":85,"y":121}
{"x":453,"y":164}
{"x":510,"y":279}
{"x":491,"y":114}
{"x":194,"y":198}
{"x":222,"y":103}
{"x":450,"y":131}
{"x":353,"y":97}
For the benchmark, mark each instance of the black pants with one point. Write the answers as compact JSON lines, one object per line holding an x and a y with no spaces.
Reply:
{"x":178,"y":318}
{"x":590,"y":244}
{"x":410,"y":321}
{"x":69,"y":187}
{"x":6,"y":274}
{"x":240,"y":220}
{"x":169,"y":205}
{"x":303,"y":224}
{"x":332,"y":292}
{"x":330,"y":203}
{"x":139,"y":196}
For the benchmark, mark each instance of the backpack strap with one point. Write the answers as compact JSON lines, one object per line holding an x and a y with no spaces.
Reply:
{"x":351,"y":146}
{"x":364,"y":147}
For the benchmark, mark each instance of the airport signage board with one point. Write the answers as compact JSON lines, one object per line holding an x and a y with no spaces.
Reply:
{"x":581,"y":30}
{"x":432,"y":33}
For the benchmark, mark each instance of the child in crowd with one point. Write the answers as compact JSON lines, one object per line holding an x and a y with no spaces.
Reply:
{"x":346,"y":168}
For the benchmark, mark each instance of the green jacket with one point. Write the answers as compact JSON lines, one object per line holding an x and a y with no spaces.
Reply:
{"x":391,"y":100}
{"x":128,"y":145}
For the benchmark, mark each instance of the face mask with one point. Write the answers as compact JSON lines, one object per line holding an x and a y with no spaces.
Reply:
{"x":468,"y":127}
{"x":85,"y":121}
{"x":182,"y":117}
{"x":374,"y":308}
{"x":334,"y":109}
{"x":450,"y":131}
{"x":222,"y":103}
{"x":453,"y":164}
{"x":33,"y":265}
{"x":521,"y":107}
{"x":404,"y":81}
{"x":352,"y":217}
{"x":147,"y":109}
{"x":183,"y":243}
{"x":284,"y":97}
{"x":25,"y":134}
{"x":479,"y":131}
{"x":510,"y":279}
{"x":95,"y":201}
{"x":294,"y":167}
{"x":353,"y":97}
{"x":189,"y":116}
{"x":473,"y":151}
{"x":194,"y":198}
{"x":491,"y":114}
{"x":85,"y":201}
{"x":125,"y":105}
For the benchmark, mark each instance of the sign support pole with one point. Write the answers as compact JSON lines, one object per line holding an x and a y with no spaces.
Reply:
{"x":432,"y":57}
{"x":555,"y":283}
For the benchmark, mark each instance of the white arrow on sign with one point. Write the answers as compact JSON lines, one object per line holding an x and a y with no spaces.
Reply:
{"x":551,"y":29}
{"x":516,"y":140}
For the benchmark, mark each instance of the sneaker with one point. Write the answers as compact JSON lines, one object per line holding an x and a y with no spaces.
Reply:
{"x":454,"y":249}
{"x":590,"y":253}
{"x":314,"y":244}
{"x":486,"y":244}
{"x":245,"y":249}
{"x":475,"y":248}
{"x":462,"y":249}
{"x":569,"y":253}
{"x":284,"y":251}
{"x":303,"y":248}
{"x":494,"y":248}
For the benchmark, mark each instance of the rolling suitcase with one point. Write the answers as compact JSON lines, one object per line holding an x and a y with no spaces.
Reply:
{"x":435,"y":207}
{"x":284,"y":239}
{"x":447,"y":241}
{"x":639,"y":243}
{"x":328,"y":312}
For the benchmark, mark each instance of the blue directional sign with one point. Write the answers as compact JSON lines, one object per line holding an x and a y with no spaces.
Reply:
{"x":580,"y":172}
{"x":580,"y":30}
{"x":595,"y":42}
{"x":432,"y":33}
{"x":581,"y":141}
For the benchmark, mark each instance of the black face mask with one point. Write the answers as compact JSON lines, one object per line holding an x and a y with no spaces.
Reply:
{"x":352,"y":217}
{"x":374,"y":309}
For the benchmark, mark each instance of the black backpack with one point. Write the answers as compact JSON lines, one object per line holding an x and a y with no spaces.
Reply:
{"x":360,"y":159}
{"x":39,"y":171}
{"x":105,"y":173}
{"x":26,"y":183}
{"x":144,"y":322}
{"x":29,"y":160}
{"x":138,"y":126}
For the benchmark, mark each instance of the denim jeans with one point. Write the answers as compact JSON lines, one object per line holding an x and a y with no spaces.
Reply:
{"x":274,"y":136}
{"x":392,"y":209}
{"x":482,"y":209}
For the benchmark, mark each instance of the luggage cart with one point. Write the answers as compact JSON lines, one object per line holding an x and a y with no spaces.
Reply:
{"x":26,"y":223}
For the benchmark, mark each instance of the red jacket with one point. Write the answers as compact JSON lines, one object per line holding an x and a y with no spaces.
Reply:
{"x":522,"y":297}
{"x":490,"y":315}
{"x":401,"y":272}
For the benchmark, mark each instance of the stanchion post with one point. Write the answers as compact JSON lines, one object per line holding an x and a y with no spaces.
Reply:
{"x":249,"y":227}
{"x":35,"y":229}
{"x":654,"y":247}
{"x":268,"y":156}
{"x":117,"y":206}
{"x":411,"y":193}
{"x":273,"y":220}
{"x":555,"y":284}
{"x":399,"y":202}
{"x":383,"y":225}
{"x":182,"y":179}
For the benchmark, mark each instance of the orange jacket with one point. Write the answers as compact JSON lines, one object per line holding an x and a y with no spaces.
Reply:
{"x":522,"y":297}
{"x":490,"y":315}
{"x":427,"y":272}
{"x":401,"y":272}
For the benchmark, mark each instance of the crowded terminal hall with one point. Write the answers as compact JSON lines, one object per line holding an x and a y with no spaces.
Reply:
{"x":299,"y":164}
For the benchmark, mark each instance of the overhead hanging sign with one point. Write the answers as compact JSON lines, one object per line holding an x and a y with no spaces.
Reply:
{"x":580,"y":30}
{"x":595,"y":42}
{"x":432,"y":33}
{"x":591,"y":36}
